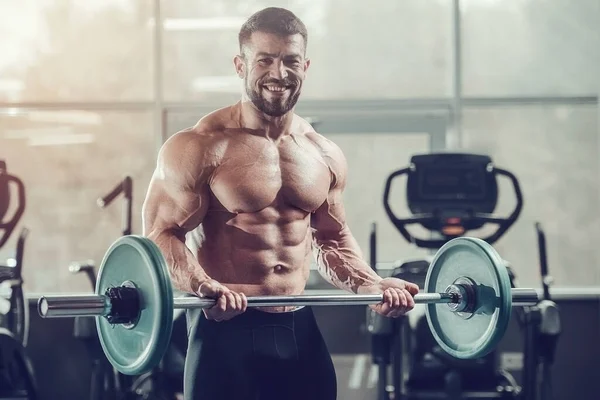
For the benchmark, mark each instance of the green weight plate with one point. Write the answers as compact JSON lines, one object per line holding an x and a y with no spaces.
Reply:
{"x":473,"y":337}
{"x":134,"y":350}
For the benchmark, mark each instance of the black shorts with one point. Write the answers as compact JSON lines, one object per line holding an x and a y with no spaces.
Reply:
{"x":258,"y":356}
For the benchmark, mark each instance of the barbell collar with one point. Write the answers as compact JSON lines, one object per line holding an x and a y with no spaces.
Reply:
{"x":74,"y":306}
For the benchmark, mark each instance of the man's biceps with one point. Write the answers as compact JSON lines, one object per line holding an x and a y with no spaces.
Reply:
{"x":336,"y":210}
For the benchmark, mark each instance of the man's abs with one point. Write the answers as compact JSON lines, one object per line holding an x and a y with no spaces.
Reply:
{"x":256,"y":254}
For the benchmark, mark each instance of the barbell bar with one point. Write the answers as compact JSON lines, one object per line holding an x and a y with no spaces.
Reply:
{"x":100,"y":305}
{"x":467,"y":294}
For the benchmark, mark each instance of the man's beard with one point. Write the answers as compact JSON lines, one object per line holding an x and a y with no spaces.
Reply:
{"x":276,"y":106}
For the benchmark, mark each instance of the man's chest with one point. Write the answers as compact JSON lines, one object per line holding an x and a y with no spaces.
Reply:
{"x":257,"y":173}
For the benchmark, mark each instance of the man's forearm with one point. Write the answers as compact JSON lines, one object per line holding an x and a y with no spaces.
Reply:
{"x":185,"y":271}
{"x":340,"y":261}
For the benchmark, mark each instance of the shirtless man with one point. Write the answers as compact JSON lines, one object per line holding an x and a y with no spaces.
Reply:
{"x":262,"y":191}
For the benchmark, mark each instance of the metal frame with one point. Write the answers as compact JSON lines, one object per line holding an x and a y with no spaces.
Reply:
{"x":455,"y":136}
{"x":158,"y":77}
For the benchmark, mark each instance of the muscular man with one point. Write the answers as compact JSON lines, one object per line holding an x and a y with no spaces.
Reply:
{"x":261,"y":190}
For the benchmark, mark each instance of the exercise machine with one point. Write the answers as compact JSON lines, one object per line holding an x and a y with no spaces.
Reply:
{"x":13,"y":308}
{"x":449,"y":194}
{"x":541,"y":326}
{"x":106,"y":382}
{"x":17,"y":378}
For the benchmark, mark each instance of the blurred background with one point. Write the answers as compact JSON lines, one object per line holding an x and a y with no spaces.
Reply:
{"x":89,"y":90}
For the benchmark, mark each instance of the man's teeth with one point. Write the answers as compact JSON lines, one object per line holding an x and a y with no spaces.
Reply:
{"x":276,"y":88}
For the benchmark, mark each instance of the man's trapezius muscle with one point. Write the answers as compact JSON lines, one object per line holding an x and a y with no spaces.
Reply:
{"x":253,"y":200}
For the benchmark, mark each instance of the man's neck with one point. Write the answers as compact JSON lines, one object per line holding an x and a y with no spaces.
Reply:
{"x":272,"y":127}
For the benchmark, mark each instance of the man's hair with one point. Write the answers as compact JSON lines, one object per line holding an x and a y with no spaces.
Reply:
{"x":275,"y":20}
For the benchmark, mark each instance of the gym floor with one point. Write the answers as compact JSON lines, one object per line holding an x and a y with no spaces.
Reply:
{"x":90,"y":91}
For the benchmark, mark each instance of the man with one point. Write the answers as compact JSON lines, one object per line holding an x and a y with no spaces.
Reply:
{"x":261,"y":190}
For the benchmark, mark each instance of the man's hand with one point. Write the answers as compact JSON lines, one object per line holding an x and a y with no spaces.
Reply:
{"x":228,"y":305}
{"x":397,"y":296}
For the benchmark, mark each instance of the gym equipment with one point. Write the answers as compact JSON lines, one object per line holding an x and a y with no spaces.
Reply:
{"x":106,"y":381}
{"x":448,"y":194}
{"x":134,"y":297}
{"x":17,"y":378}
{"x":125,"y":187}
{"x":542,"y":328}
{"x":451,"y":194}
{"x":5,"y":189}
{"x":14,"y":312}
{"x":480,"y":270}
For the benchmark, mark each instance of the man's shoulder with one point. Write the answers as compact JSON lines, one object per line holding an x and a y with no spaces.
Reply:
{"x":193,"y":139}
{"x":195,"y":147}
{"x":208,"y":133}
{"x":331,"y":152}
{"x":327,"y":146}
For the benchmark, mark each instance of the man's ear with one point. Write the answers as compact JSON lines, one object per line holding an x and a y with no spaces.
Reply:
{"x":240,"y":66}
{"x":306,"y":64}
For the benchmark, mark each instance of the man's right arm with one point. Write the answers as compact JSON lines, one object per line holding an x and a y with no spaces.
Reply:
{"x":176,"y":203}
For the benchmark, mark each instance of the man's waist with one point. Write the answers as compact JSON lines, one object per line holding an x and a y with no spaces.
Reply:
{"x":255,"y":317}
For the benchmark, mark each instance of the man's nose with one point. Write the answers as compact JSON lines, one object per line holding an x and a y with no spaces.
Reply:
{"x":278,"y":70}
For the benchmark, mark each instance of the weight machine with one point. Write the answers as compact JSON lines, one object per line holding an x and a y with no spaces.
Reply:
{"x":17,"y":378}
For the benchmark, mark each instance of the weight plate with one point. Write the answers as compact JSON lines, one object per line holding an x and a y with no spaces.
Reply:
{"x":473,"y":337}
{"x":136,"y":350}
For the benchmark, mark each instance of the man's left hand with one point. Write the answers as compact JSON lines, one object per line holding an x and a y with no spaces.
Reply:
{"x":397,"y":296}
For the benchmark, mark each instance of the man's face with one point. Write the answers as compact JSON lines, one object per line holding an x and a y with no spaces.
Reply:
{"x":273,"y":68}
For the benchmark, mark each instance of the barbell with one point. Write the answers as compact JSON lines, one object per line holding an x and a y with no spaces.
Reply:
{"x":467,"y":293}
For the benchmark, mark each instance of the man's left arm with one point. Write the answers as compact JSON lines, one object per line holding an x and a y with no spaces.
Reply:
{"x":338,"y":255}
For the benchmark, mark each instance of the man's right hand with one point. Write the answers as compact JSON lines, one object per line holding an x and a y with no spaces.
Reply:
{"x":228,"y":305}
